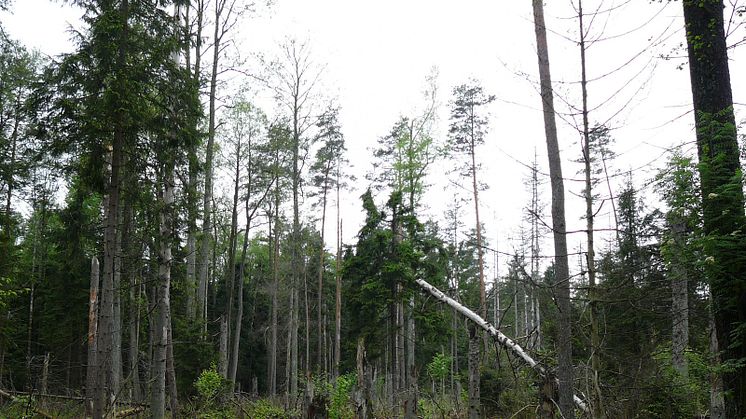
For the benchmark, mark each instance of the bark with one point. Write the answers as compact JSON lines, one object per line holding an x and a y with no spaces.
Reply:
{"x":134,"y":337}
{"x":679,"y":306}
{"x":498,"y":336}
{"x":223,"y":348}
{"x":92,"y":363}
{"x":717,"y":402}
{"x":597,"y":400}
{"x":116,"y":354}
{"x":721,"y":186}
{"x":163,"y":303}
{"x":204,"y":256}
{"x":321,"y":350}
{"x":411,"y":374}
{"x":191,"y":192}
{"x":562,"y":271}
{"x":338,"y":294}
{"x":474,"y":378}
{"x":230,"y":279}
{"x":275,"y":289}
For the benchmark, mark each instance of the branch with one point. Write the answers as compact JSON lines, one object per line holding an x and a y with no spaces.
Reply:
{"x":503,"y":340}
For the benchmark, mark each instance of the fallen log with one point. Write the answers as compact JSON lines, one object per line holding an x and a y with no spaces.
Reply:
{"x":503,"y":340}
{"x":36,"y":409}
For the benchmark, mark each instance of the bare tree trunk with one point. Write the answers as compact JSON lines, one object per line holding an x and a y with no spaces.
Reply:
{"x":717,"y":400}
{"x":476,"y":321}
{"x":306,"y":309}
{"x":338,"y":291}
{"x":680,"y":306}
{"x":230,"y":279}
{"x":192,"y":288}
{"x":598,"y":407}
{"x":321,"y":349}
{"x":163,"y":304}
{"x":411,"y":368}
{"x":561,"y":281}
{"x":116,"y":355}
{"x":223,"y":348}
{"x":204,"y":259}
{"x":92,"y":363}
{"x":275,"y":302}
{"x":134,"y":336}
{"x":475,"y":411}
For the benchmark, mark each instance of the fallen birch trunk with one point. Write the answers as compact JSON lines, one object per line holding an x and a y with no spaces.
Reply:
{"x":503,"y":340}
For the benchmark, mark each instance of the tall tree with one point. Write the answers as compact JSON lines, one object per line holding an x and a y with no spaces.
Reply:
{"x":722,"y":189}
{"x":328,"y":157}
{"x":467,"y":130}
{"x":561,"y":283}
{"x":296,"y":78}
{"x":226,"y":18}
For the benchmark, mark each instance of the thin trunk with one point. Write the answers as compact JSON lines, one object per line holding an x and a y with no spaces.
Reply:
{"x":163,"y":303}
{"x":134,"y":336}
{"x":230,"y":279}
{"x":717,"y":402}
{"x":92,"y":363}
{"x":474,"y":397}
{"x":411,"y":372}
{"x":116,"y":355}
{"x":204,"y":262}
{"x":307,"y":311}
{"x":275,"y":301}
{"x":597,"y":400}
{"x":679,"y":305}
{"x":321,"y":350}
{"x":338,"y":290}
{"x":223,"y":347}
{"x":561,"y":281}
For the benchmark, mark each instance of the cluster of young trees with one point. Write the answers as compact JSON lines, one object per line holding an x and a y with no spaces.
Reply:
{"x":152,"y":233}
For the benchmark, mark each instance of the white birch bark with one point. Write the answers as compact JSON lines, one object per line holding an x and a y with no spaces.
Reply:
{"x":498,"y":336}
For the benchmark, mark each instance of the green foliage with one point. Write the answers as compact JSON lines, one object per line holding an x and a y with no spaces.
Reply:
{"x":265,"y":409}
{"x":674,"y":395}
{"x":340,"y":406}
{"x":210,"y":385}
{"x":439,"y":367}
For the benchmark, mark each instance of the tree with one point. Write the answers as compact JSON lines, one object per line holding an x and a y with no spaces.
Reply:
{"x":467,"y":130}
{"x":226,"y":18}
{"x":296,"y":77}
{"x":721,"y":189}
{"x":328,"y":158}
{"x":559,"y":229}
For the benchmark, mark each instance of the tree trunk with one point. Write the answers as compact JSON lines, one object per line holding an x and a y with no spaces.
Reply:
{"x":92,"y":363}
{"x":475,"y":411}
{"x":338,"y":290}
{"x":163,"y":303}
{"x":717,"y":402}
{"x":679,"y":305}
{"x":499,"y":337}
{"x":722,"y":188}
{"x":223,"y":348}
{"x":597,"y":404}
{"x":561,"y":282}
{"x":321,"y":350}
{"x":230,"y":279}
{"x":204,"y":262}
{"x":275,"y":302}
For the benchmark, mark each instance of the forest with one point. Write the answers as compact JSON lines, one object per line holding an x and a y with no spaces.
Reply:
{"x":198,"y":221}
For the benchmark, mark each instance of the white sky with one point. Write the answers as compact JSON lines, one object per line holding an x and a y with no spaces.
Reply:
{"x":377,"y":55}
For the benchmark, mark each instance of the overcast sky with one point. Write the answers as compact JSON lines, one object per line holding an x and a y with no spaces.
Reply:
{"x":377,"y":54}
